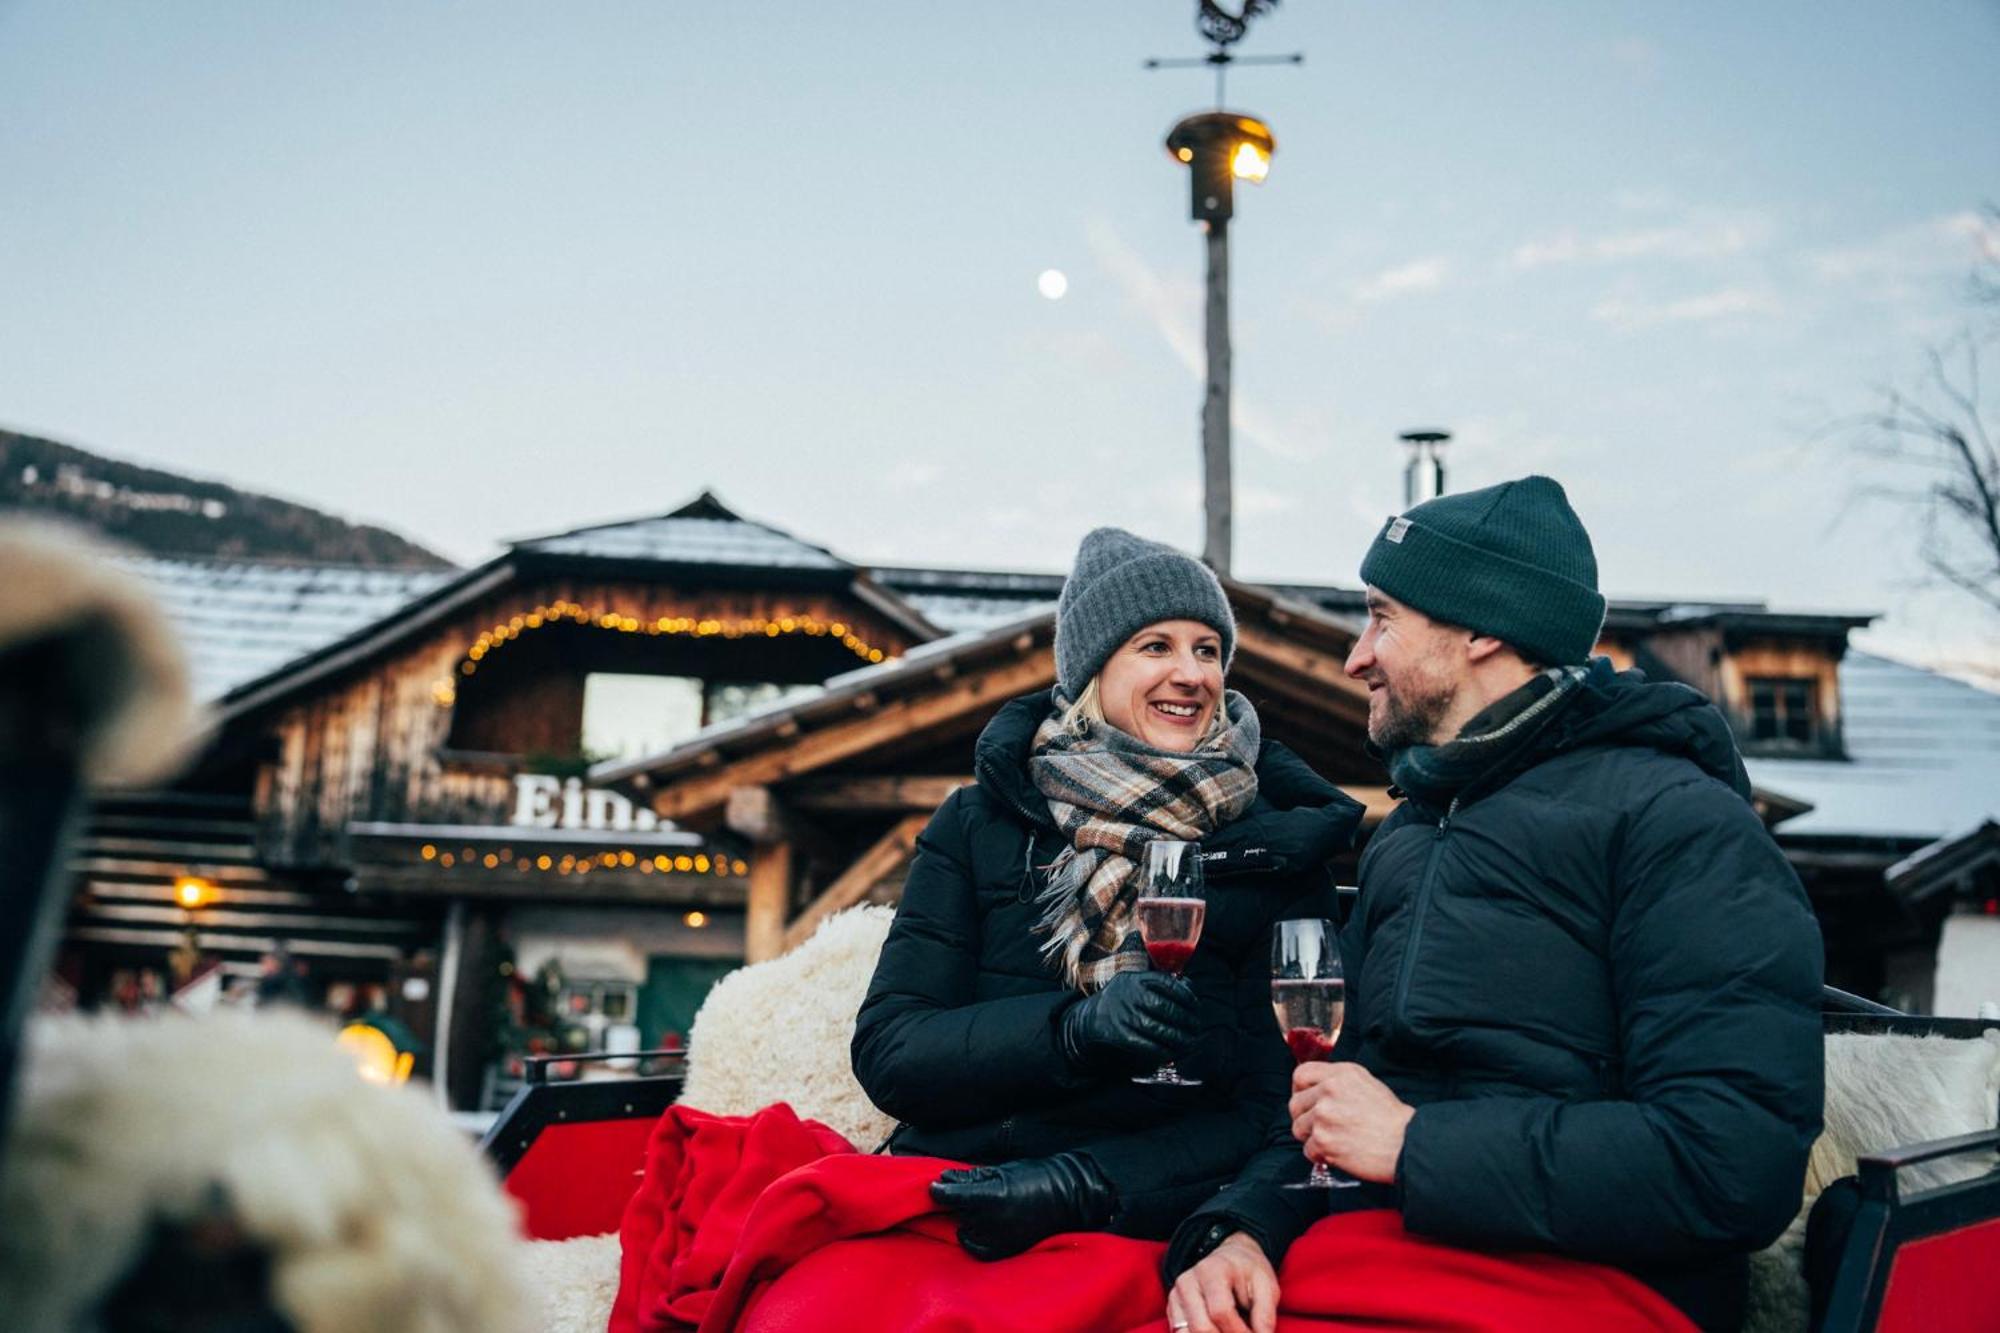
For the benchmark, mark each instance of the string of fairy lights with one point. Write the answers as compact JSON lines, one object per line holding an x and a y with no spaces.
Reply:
{"x":563,"y":612}
{"x":569,"y":864}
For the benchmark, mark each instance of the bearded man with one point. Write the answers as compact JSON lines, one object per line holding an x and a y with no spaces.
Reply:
{"x":1583,"y":983}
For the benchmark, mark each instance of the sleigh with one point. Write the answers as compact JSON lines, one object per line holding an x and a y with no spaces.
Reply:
{"x":1917,"y":1256}
{"x":1919,"y":1249}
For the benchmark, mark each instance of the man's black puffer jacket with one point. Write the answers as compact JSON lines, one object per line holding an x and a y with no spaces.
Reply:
{"x":1597,"y":979}
{"x":958,"y":1036}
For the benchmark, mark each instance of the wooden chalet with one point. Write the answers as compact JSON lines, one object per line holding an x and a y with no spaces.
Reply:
{"x":622,"y":759}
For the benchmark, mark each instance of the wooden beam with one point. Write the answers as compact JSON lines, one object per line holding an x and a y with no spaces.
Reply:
{"x":756,"y":814}
{"x":923,"y":792}
{"x":890,"y":851}
{"x":700,"y":793}
{"x":1344,"y":693}
{"x":770,"y":901}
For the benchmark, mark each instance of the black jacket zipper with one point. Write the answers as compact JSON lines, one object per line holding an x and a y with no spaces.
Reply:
{"x":1419,"y":910}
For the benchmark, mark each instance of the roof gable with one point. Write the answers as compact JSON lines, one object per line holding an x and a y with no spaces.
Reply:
{"x":704,"y":531}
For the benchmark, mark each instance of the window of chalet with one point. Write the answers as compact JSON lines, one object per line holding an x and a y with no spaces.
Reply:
{"x":1783,"y":712}
{"x":627,"y":716}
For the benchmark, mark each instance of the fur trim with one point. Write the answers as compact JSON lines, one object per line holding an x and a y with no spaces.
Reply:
{"x":1882,"y":1091}
{"x":778,"y":1031}
{"x":576,"y":1281}
{"x":122,"y":661}
{"x":377,"y":1212}
{"x":1888,"y":1091}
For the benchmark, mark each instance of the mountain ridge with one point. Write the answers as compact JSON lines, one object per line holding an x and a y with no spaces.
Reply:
{"x":166,"y":514}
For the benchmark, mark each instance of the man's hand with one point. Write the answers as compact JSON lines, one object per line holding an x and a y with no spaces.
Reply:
{"x":1215,"y":1295}
{"x":1348,"y":1118}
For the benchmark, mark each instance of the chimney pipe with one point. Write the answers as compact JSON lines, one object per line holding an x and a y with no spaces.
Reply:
{"x":1423,"y":473}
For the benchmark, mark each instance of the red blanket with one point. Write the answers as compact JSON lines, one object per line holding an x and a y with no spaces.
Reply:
{"x":773,"y":1223}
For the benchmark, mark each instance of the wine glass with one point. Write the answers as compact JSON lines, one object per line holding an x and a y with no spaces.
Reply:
{"x":1309,"y":996}
{"x":1170,"y":911}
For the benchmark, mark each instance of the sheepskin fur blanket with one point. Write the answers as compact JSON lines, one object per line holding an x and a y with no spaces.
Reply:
{"x":376,"y":1212}
{"x":1881,"y":1092}
{"x":778,"y":1031}
{"x":62,"y":584}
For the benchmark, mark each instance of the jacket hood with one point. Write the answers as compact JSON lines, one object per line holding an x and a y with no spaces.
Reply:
{"x":1299,"y":818}
{"x":1624,"y":708}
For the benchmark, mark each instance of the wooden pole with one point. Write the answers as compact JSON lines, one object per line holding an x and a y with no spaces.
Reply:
{"x":770,"y":901}
{"x":1216,"y":498}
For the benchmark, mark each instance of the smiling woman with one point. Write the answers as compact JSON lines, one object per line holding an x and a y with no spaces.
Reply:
{"x":1015,"y":1000}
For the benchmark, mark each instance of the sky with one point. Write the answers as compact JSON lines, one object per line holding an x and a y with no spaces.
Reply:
{"x":477,"y":272}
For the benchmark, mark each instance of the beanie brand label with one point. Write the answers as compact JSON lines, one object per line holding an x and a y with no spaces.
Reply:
{"x":1396,"y":529}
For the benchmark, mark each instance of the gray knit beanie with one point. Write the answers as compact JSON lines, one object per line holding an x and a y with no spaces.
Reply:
{"x":1510,"y":560}
{"x":1120,"y":585}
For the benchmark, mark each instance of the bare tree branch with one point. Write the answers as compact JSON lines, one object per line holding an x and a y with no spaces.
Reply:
{"x":1941,"y":433}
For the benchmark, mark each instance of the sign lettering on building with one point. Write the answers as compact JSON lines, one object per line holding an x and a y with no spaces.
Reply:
{"x":542,"y":800}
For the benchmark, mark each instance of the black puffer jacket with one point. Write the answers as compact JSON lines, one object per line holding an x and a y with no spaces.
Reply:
{"x":1597,"y":979}
{"x":957,"y":1038}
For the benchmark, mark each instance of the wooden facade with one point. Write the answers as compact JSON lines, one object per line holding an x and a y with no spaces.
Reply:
{"x":434,"y":729}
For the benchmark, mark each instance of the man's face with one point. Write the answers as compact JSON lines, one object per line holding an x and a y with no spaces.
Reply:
{"x":1413,"y":667}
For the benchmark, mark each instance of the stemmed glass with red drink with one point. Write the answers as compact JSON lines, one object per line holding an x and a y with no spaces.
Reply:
{"x":1170,"y":911}
{"x":1309,"y":996}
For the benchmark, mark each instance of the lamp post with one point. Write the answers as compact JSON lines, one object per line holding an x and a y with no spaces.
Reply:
{"x":1220,"y":148}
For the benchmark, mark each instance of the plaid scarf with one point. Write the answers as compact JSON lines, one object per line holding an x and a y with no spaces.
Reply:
{"x":1111,"y":794}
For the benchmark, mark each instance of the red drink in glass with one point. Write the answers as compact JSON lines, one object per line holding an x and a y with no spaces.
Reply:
{"x":1309,"y":1014}
{"x":1309,"y":997}
{"x":1171,"y":927}
{"x":1169,"y":912}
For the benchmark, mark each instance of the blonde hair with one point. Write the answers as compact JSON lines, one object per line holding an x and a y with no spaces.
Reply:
{"x":1088,"y":709}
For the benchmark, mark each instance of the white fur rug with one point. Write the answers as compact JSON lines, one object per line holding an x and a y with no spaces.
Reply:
{"x":1881,"y":1092}
{"x":778,"y":1031}
{"x":574,"y":1281}
{"x":378,"y":1213}
{"x":772,"y":1032}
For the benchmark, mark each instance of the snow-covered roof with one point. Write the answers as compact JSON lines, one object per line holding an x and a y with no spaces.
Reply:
{"x":964,"y":614}
{"x":242,"y":619}
{"x":704,"y":532}
{"x":1923,"y":757}
{"x":970,"y":601}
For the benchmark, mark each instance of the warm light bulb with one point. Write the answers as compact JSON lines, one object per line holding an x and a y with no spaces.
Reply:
{"x":192,"y":891}
{"x":1250,"y":163}
{"x":696,"y":919}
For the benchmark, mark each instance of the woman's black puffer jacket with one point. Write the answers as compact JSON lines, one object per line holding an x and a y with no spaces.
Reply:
{"x":958,"y":1036}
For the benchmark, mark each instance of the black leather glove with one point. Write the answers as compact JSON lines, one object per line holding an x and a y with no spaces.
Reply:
{"x":1002,"y":1210}
{"x":1137,"y":1020}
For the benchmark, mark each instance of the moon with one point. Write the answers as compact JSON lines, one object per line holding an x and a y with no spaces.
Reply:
{"x":1052,"y":284}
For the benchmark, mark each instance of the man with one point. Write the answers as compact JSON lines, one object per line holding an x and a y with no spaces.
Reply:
{"x":1583,"y":983}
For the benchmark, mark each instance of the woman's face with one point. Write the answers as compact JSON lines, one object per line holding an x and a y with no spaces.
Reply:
{"x":1164,"y":684}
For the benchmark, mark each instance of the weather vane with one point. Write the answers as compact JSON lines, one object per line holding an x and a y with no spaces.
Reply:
{"x":1217,"y":25}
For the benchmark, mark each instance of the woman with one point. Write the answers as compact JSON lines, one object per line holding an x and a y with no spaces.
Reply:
{"x":1013,"y":1001}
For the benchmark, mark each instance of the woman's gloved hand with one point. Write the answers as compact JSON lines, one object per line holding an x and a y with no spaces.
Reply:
{"x":1137,"y":1020}
{"x":1002,"y":1210}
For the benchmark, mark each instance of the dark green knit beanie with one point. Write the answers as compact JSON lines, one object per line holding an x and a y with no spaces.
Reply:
{"x":1510,"y":560}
